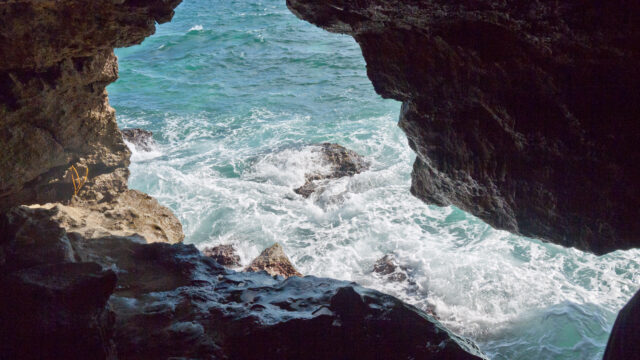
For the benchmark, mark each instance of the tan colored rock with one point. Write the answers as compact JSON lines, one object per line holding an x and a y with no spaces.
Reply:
{"x":225,"y":255}
{"x":57,"y":59}
{"x":274,"y":261}
{"x":132,"y":214}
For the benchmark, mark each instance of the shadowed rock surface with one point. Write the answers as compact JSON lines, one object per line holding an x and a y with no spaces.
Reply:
{"x":171,"y":301}
{"x":522,"y":113}
{"x":623,"y":342}
{"x":225,"y":255}
{"x":342,"y":162}
{"x":141,"y":139}
{"x":274,"y":261}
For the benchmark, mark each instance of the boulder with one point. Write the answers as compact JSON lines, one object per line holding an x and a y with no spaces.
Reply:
{"x":225,"y":255}
{"x":387,"y":266}
{"x":342,"y":162}
{"x":274,"y":261}
{"x":141,"y":139}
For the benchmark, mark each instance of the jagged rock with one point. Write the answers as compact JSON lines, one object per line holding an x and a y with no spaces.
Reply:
{"x":171,"y":301}
{"x":57,"y":58}
{"x":523,"y":113}
{"x":623,"y":341}
{"x":225,"y":255}
{"x":274,"y":261}
{"x":141,"y":139}
{"x":388,"y":267}
{"x":57,"y":311}
{"x":342,"y":162}
{"x":132,"y":214}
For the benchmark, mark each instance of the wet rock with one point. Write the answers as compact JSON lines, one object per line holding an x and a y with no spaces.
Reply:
{"x":521,"y":113}
{"x":225,"y":255}
{"x":171,"y":301}
{"x":274,"y":261}
{"x":388,"y":267}
{"x":141,"y":139}
{"x":623,"y":341}
{"x":342,"y":162}
{"x":57,"y":311}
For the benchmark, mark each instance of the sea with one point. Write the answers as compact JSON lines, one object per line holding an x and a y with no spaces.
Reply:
{"x":238,"y":93}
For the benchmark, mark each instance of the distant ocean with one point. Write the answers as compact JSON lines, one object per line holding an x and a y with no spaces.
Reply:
{"x":235,"y":93}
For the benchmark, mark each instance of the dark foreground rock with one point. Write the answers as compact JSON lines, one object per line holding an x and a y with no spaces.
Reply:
{"x":57,"y":311}
{"x":171,"y":301}
{"x":141,"y":139}
{"x":342,"y":162}
{"x":274,"y":261}
{"x":624,"y":339}
{"x":523,"y":113}
{"x":225,"y":255}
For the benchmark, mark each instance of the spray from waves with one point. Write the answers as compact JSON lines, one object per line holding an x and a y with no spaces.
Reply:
{"x":196,"y":28}
{"x":234,"y":108}
{"x":483,"y":283}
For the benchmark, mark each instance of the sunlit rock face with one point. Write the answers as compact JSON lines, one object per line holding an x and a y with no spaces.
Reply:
{"x":524,"y":113}
{"x":57,"y":58}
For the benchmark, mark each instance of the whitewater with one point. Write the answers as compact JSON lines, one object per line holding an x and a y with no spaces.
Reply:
{"x":238,"y":92}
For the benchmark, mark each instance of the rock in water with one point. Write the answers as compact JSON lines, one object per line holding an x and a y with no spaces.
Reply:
{"x":523,"y":113}
{"x":388,"y":267}
{"x":225,"y":255}
{"x":141,"y":139}
{"x":343,"y":162}
{"x":274,"y":261}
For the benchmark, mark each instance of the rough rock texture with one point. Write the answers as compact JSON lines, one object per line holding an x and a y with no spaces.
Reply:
{"x":342,"y":162}
{"x":387,"y":266}
{"x":57,"y":58}
{"x":225,"y":255}
{"x":170,"y":301}
{"x":141,"y":139}
{"x":274,"y":261}
{"x":623,"y":342}
{"x":524,"y":113}
{"x":132,"y":214}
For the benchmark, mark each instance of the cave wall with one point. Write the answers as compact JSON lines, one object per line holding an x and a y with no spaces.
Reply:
{"x":57,"y":59}
{"x":523,"y":113}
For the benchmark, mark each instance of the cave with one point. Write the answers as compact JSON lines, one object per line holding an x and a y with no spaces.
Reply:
{"x":254,"y":196}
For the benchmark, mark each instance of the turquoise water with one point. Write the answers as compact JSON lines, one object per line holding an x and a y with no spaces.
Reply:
{"x":236,"y":92}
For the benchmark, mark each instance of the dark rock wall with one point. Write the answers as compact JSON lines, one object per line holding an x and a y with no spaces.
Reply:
{"x":57,"y":58}
{"x":523,"y":113}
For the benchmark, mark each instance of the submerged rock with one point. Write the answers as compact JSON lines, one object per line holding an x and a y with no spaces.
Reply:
{"x":225,"y":255}
{"x":342,"y":162}
{"x":141,"y":139}
{"x":523,"y":113}
{"x":274,"y":261}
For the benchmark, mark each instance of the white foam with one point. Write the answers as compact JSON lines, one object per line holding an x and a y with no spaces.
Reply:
{"x":231,"y":181}
{"x":196,"y":28}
